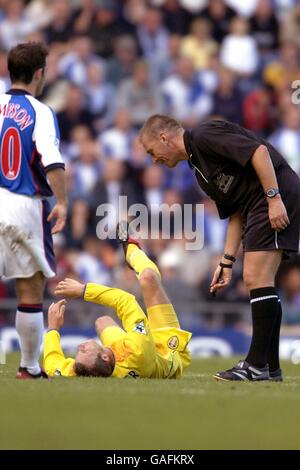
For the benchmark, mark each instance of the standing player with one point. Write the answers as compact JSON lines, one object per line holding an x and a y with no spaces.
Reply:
{"x":31,"y":170}
{"x":254,"y":186}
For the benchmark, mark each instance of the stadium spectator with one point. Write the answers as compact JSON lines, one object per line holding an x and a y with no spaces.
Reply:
{"x":227,"y":99}
{"x":56,"y":86}
{"x":117,"y":140}
{"x":290,"y":29}
{"x":176,"y":18}
{"x":87,"y":168}
{"x":287,"y":138}
{"x":121,"y":64}
{"x":40,"y":12}
{"x":4,"y":77}
{"x":60,"y":30}
{"x":139,"y":95}
{"x":89,"y":262}
{"x":153,"y":36}
{"x":73,"y":65}
{"x":75,"y":111}
{"x":107,"y":190}
{"x":199,"y":45}
{"x":99,"y":95}
{"x":220,"y":15}
{"x":184,"y":96}
{"x":153,"y":183}
{"x":236,"y":46}
{"x":264,"y":27}
{"x":257,"y":111}
{"x":15,"y":26}
{"x":284,"y":70}
{"x":84,"y":16}
{"x":106,"y":27}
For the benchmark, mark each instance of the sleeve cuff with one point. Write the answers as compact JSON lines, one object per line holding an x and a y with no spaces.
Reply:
{"x":54,"y":166}
{"x":53,"y":329}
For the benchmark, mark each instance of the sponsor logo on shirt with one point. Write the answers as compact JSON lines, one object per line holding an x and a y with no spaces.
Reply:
{"x":223,"y":182}
{"x":173,"y":342}
{"x":132,"y":374}
{"x":140,"y":328}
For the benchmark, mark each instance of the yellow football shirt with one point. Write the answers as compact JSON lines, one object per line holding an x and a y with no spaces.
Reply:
{"x":139,"y":352}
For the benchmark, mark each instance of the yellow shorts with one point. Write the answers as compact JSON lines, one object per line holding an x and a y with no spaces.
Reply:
{"x":165,"y":329}
{"x":167,"y":334}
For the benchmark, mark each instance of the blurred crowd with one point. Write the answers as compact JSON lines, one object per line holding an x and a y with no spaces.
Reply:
{"x":114,"y":63}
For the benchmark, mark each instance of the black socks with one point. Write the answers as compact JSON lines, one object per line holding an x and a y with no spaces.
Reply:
{"x":266,"y":321}
{"x":273,"y":356}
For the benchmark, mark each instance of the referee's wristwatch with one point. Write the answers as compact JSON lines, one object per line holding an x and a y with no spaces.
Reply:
{"x":272,"y":192}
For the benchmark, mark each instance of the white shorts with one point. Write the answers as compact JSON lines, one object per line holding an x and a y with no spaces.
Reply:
{"x":26,"y":244}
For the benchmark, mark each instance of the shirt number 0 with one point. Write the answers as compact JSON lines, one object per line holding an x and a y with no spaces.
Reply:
{"x":11,"y":153}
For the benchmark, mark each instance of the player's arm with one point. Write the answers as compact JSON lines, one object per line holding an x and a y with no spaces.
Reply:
{"x":263,"y":166}
{"x":54,"y":358}
{"x":47,"y":138}
{"x":232,"y":244}
{"x":125,"y":304}
{"x":104,"y":322}
{"x":56,"y":178}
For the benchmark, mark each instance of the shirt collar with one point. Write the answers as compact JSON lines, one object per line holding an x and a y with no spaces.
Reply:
{"x":17,"y":91}
{"x":186,"y":141}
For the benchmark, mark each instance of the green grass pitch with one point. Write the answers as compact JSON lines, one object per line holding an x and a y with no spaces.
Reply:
{"x":193,"y":413}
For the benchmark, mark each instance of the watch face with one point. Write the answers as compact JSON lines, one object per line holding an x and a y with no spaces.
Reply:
{"x":272,"y":192}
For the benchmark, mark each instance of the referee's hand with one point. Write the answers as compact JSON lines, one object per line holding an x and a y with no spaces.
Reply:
{"x":220,"y":281}
{"x":277,"y":214}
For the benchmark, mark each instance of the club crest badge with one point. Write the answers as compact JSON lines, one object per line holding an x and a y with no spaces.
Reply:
{"x":173,"y":342}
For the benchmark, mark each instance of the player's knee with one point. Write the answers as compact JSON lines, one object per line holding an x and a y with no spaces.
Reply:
{"x":249,"y":279}
{"x":101,"y":322}
{"x":149,"y":278}
{"x":254,"y":280}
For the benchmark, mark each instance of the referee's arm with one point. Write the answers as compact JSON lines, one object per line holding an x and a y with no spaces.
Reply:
{"x":232,"y":244}
{"x":263,"y":166}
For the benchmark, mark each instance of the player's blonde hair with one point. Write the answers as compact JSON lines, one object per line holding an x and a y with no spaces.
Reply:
{"x":100,"y":368}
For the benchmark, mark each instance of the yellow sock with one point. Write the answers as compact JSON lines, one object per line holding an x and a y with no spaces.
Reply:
{"x":139,"y":261}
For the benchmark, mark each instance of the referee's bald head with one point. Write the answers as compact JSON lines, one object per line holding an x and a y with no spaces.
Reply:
{"x":157,"y":124}
{"x":162,"y":138}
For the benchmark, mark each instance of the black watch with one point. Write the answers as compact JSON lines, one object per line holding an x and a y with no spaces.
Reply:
{"x":272,"y":192}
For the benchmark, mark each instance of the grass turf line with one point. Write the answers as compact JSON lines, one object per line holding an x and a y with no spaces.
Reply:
{"x":196,"y":412}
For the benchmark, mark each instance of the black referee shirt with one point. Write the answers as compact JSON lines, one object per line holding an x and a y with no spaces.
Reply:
{"x":220,"y":154}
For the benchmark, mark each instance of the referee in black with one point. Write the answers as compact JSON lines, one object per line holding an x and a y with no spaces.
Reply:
{"x":253,"y":186}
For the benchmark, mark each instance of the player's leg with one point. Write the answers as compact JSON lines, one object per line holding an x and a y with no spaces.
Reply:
{"x":30,"y":322}
{"x":159,"y":308}
{"x":260,"y":269}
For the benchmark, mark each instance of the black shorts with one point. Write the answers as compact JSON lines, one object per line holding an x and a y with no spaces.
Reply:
{"x":258,"y":234}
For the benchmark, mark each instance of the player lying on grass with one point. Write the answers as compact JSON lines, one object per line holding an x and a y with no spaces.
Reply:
{"x":150,"y":346}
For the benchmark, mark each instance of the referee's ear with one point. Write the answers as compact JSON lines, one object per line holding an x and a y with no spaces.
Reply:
{"x":163,"y":138}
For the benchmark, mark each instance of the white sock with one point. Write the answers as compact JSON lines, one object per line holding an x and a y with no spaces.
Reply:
{"x":30,"y":327}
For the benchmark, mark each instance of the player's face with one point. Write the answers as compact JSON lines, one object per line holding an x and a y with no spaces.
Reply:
{"x":87,"y":353}
{"x":41,"y":81}
{"x":162,"y":150}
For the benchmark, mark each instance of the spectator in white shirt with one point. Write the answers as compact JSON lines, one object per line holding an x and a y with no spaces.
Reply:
{"x":184,"y":95}
{"x":15,"y":26}
{"x":74,"y":64}
{"x":287,"y":139}
{"x":239,"y":50}
{"x":117,"y":141}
